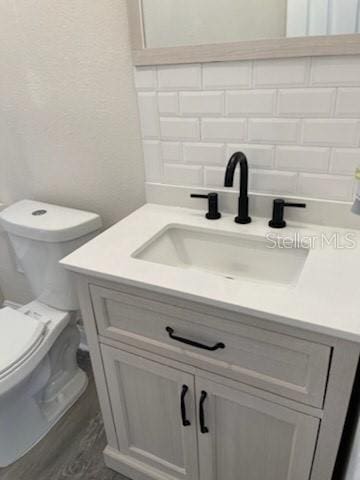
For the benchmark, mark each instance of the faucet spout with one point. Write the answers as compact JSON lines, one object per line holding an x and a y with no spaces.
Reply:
{"x":243,"y":206}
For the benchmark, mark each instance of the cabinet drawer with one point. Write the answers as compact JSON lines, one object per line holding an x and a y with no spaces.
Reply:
{"x":288,"y":366}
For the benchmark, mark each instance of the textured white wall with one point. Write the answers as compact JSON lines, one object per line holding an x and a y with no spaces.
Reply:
{"x":68,"y":116}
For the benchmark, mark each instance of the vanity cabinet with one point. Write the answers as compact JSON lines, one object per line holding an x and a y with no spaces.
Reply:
{"x":192,"y":428}
{"x":195,"y":392}
{"x":146,"y":400}
{"x":288,"y":366}
{"x":252,"y":439}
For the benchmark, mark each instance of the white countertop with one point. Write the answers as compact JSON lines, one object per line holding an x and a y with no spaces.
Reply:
{"x":326,"y":298}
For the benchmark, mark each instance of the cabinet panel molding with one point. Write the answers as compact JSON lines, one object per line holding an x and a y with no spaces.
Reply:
{"x":146,"y":403}
{"x":149,"y":364}
{"x":253,"y":438}
{"x":288,"y":366}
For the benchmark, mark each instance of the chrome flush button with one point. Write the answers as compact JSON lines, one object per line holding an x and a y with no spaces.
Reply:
{"x":36,"y":213}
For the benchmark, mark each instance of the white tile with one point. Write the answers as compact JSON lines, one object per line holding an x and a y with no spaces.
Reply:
{"x":331,"y":132}
{"x":345,"y":161}
{"x":168,"y":103}
{"x":153,"y":161}
{"x":342,"y":70}
{"x":259,"y":156}
{"x":223,"y":129}
{"x":329,"y":187}
{"x":201,"y":103}
{"x":214,"y":177}
{"x":204,"y":153}
{"x":149,"y":115}
{"x":179,"y":77}
{"x":250,"y":102}
{"x":180,"y":128}
{"x":274,"y":130}
{"x":348,"y":102}
{"x":226,"y":75}
{"x":145,"y":78}
{"x":183,"y":175}
{"x":271,"y":181}
{"x":306,"y":102}
{"x":302,"y":159}
{"x":171,"y":152}
{"x":283,"y":72}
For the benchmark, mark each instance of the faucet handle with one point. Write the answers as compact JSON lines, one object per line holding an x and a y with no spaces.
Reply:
{"x":277,"y":220}
{"x":213,"y":213}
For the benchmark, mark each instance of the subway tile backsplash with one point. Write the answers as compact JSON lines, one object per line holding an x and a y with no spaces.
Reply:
{"x":297,"y":120}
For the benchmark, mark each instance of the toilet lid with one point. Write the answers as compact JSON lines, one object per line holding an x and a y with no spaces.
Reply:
{"x":20,"y":334}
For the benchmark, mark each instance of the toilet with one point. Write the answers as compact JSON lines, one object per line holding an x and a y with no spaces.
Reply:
{"x":39,"y":376}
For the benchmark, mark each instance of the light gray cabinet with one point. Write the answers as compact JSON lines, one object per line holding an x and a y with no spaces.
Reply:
{"x":286,"y":365}
{"x":250,"y":438}
{"x":270,"y":404}
{"x":229,"y":435}
{"x":146,"y":403}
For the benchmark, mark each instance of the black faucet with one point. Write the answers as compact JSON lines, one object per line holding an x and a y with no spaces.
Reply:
{"x":243,"y":208}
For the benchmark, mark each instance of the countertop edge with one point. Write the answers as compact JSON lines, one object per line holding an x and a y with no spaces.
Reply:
{"x":287,"y":321}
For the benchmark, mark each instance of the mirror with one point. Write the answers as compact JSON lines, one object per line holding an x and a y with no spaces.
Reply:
{"x":174,"y":23}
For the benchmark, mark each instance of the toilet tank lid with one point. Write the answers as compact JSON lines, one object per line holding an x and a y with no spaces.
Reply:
{"x":47,"y":222}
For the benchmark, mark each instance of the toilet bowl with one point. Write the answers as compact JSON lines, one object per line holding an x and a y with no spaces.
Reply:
{"x":39,"y":376}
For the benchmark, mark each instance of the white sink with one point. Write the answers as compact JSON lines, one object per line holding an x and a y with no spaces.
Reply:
{"x":230,"y":255}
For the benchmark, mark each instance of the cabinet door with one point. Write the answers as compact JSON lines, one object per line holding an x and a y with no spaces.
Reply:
{"x":154,"y":412}
{"x":250,"y":438}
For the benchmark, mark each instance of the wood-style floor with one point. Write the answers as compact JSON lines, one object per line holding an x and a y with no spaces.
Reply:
{"x":72,"y":450}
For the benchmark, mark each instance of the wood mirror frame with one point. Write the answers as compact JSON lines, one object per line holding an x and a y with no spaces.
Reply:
{"x":242,"y":50}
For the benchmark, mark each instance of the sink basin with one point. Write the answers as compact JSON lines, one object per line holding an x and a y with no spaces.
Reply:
{"x":233,"y":256}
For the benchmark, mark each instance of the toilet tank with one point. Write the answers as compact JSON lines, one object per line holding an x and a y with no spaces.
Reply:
{"x":41,"y":235}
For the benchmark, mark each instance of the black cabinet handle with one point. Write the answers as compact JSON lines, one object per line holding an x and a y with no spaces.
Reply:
{"x":172,"y":335}
{"x":184,"y":391}
{"x":203,"y":427}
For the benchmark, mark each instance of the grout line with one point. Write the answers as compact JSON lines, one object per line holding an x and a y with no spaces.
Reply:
{"x":334,"y":103}
{"x":277,"y":101}
{"x":331,"y":155}
{"x":156,"y":79}
{"x":297,"y":184}
{"x":252,"y":74}
{"x":308,"y":75}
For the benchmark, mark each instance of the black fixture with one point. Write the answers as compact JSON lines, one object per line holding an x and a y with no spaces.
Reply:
{"x":187,"y":341}
{"x":213,"y":213}
{"x":185,"y":421}
{"x":277,"y":220}
{"x":203,"y":427}
{"x":243,"y":207}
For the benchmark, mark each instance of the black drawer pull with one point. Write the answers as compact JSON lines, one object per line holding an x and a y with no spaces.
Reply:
{"x":185,"y":421}
{"x":203,"y":427}
{"x":217,"y":346}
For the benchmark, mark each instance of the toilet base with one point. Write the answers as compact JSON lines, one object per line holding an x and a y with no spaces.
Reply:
{"x":39,"y":428}
{"x":69,"y":397}
{"x":32,"y":408}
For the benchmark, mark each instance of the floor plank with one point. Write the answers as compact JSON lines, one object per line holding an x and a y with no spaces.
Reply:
{"x":72,"y":450}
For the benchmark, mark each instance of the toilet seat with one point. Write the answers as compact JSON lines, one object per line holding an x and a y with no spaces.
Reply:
{"x":21,"y":335}
{"x":38,"y":326}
